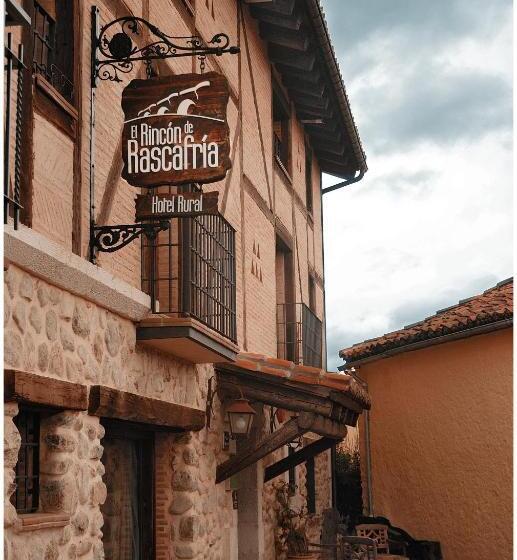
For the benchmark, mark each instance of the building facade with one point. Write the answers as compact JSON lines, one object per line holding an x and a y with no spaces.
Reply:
{"x":440,"y":428}
{"x":120,"y":366}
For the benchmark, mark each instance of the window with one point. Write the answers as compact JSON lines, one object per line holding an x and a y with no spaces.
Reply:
{"x":53,"y":53}
{"x":281,"y":122}
{"x":26,"y":496}
{"x":310,"y":482}
{"x":308,"y":178}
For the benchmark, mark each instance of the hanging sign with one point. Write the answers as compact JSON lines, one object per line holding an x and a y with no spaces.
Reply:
{"x":175,"y":130}
{"x":163,"y":206}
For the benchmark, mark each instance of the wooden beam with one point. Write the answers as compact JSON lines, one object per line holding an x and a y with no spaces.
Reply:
{"x":276,"y":35}
{"x":297,"y":85}
{"x":328,"y":428}
{"x":283,"y":7}
{"x":307,"y":100}
{"x":313,"y":77}
{"x":288,"y":22}
{"x":30,"y":388}
{"x":290,"y":430}
{"x":112,"y":403}
{"x":298,"y":457}
{"x":275,"y":394}
{"x":290,"y":57}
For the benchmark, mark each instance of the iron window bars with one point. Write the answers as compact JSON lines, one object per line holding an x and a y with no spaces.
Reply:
{"x":26,"y":496}
{"x":47,"y":52}
{"x":13,"y":62}
{"x":299,"y":334}
{"x":189,"y":270}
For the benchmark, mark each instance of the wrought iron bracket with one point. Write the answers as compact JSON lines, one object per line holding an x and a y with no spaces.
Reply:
{"x":109,"y":239}
{"x":114,"y":49}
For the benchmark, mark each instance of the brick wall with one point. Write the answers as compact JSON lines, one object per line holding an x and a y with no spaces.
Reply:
{"x":90,"y":344}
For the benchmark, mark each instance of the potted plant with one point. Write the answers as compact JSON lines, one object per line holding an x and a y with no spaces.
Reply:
{"x":291,"y":535}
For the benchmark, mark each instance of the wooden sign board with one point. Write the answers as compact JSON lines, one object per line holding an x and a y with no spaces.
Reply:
{"x":175,"y":130}
{"x":164,"y":206}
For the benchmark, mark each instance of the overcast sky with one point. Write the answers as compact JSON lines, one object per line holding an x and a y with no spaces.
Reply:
{"x":430,"y":223}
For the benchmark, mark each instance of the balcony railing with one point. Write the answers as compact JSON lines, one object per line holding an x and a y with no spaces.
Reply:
{"x":189,"y":271}
{"x":299,"y":334}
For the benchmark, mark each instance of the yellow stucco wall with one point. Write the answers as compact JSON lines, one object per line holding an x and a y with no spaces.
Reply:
{"x":441,"y":439}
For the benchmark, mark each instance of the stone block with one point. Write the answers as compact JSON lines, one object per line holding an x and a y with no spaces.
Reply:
{"x":35,"y":319}
{"x":81,"y":320}
{"x":184,"y":481}
{"x":80,"y":523}
{"x":184,"y":551}
{"x":26,"y":287}
{"x":58,"y":495}
{"x":43,"y":356}
{"x":43,"y":295}
{"x":188,"y":527}
{"x":67,"y":338}
{"x":51,"y":325}
{"x":13,"y":348}
{"x":19,"y":315}
{"x":181,"y":503}
{"x":56,"y":362}
{"x":58,"y":442}
{"x":112,"y":338}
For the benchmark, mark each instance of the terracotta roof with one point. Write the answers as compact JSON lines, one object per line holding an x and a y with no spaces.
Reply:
{"x":489,"y":308}
{"x":307,"y":375}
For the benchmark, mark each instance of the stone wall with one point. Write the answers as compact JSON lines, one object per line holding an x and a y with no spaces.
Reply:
{"x":71,"y":488}
{"x":53,"y":333}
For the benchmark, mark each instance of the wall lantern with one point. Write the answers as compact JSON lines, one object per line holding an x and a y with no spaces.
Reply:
{"x":240,"y":412}
{"x":240,"y":415}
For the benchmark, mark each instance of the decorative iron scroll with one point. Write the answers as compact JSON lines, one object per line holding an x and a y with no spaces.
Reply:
{"x":119,"y":50}
{"x":112,"y":238}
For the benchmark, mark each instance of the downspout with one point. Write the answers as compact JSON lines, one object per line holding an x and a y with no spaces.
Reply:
{"x":346,"y":183}
{"x":350,"y":181}
{"x":362,"y":382}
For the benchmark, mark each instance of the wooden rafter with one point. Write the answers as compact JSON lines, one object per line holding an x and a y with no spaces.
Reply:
{"x":295,"y":427}
{"x":290,"y":430}
{"x":298,"y":457}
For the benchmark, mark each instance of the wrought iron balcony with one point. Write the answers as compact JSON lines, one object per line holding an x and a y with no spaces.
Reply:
{"x":299,"y":334}
{"x":189,"y":272}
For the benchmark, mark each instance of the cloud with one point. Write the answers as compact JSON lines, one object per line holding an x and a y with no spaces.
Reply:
{"x":413,"y":67}
{"x":430,"y":223}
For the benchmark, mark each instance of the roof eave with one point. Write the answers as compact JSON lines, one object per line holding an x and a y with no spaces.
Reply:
{"x":458,"y":335}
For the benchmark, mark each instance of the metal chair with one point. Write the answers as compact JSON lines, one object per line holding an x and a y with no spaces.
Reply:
{"x":379,"y":533}
{"x":347,"y":548}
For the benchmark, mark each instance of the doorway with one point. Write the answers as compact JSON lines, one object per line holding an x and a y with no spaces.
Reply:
{"x":128,"y":532}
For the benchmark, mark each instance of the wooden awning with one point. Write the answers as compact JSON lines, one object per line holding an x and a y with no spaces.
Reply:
{"x":323,"y":402}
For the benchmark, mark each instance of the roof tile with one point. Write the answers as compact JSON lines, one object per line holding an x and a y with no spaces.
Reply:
{"x":492,"y":306}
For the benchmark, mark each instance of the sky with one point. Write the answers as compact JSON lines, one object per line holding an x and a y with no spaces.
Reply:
{"x":430,"y":87}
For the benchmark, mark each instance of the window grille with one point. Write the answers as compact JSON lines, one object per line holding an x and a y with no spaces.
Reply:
{"x":53,"y":49}
{"x":189,"y":270}
{"x":26,"y":496}
{"x":299,"y":334}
